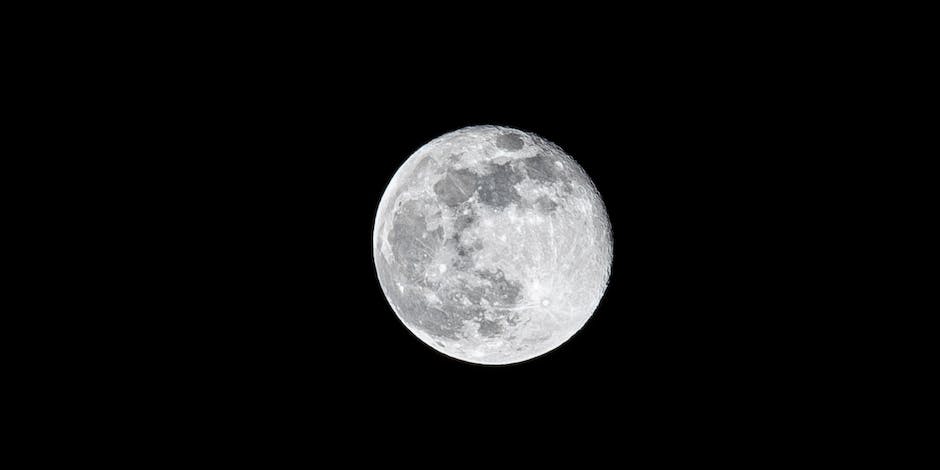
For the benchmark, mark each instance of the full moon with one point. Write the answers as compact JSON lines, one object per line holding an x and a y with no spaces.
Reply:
{"x":492,"y":245}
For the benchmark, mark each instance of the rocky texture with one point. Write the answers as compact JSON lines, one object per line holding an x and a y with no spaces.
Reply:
{"x":492,"y":245}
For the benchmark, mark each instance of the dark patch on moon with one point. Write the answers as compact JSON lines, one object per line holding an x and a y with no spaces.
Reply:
{"x":414,"y":310}
{"x":463,"y":252}
{"x":472,"y":294}
{"x":545,"y":205}
{"x":454,"y":299}
{"x":424,"y":165}
{"x":543,"y":169}
{"x":510,"y":141}
{"x":489,"y":328}
{"x":439,"y":323}
{"x":498,"y":188}
{"x":412,"y":243}
{"x":505,"y":292}
{"x":456,"y":186}
{"x":464,"y":221}
{"x":464,"y":260}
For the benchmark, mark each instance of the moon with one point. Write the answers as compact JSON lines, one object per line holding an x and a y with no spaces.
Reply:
{"x":492,"y":245}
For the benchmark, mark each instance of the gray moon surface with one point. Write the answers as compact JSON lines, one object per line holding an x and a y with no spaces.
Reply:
{"x":492,"y":245}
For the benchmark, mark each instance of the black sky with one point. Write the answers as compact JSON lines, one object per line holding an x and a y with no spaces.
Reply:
{"x":281,"y":167}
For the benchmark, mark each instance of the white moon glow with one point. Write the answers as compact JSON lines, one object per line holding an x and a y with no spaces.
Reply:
{"x":492,"y":245}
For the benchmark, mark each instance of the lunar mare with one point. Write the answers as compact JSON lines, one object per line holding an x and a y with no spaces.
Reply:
{"x":492,"y":245}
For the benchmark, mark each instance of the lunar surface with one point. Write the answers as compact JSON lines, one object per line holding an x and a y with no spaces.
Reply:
{"x":492,"y":245}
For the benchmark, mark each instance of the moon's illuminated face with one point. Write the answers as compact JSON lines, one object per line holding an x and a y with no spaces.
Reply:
{"x":492,"y":245}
